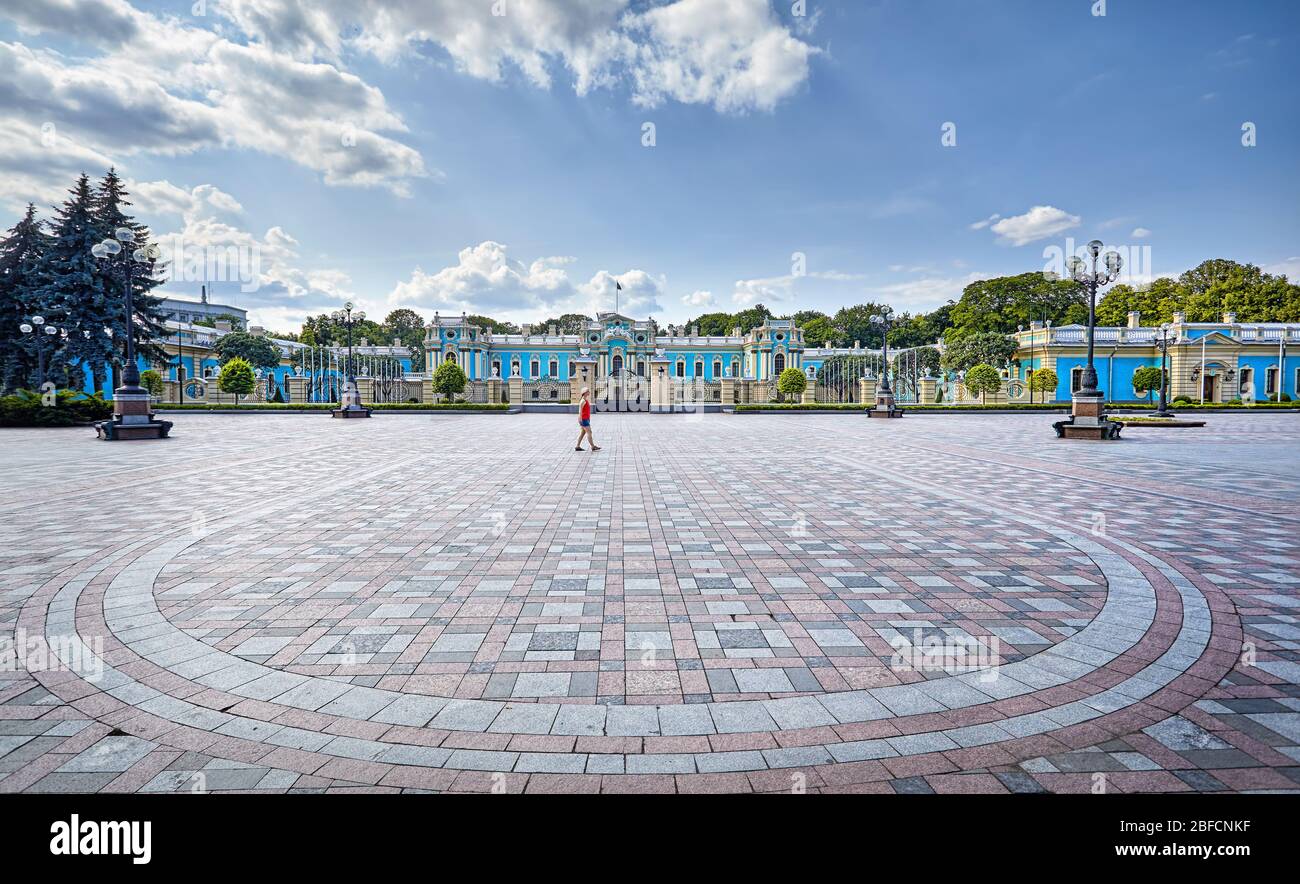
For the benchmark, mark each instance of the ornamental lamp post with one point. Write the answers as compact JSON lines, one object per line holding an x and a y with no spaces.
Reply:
{"x":132,"y":417}
{"x":1088,"y":415}
{"x":1165,"y":336}
{"x":350,"y":402}
{"x":885,"y":406}
{"x":40,"y":330}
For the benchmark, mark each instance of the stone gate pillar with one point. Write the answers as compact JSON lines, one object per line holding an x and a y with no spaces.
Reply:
{"x":297,"y":387}
{"x":728,"y":392}
{"x":494,"y":390}
{"x":516,"y":383}
{"x":928,"y":387}
{"x":366,"y":390}
{"x":661,"y":397}
{"x":867,"y":391}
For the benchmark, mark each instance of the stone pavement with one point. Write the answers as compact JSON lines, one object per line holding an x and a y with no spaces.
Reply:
{"x":712,"y":603}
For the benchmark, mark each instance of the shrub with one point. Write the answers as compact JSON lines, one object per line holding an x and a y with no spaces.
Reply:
{"x":152,"y":381}
{"x":791,"y":382}
{"x":1147,"y":378}
{"x":449,"y":380}
{"x":28,"y":408}
{"x":1044,"y":380}
{"x":983,"y":379}
{"x":237,"y":378}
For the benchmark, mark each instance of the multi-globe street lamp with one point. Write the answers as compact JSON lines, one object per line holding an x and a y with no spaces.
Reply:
{"x":1088,"y":405}
{"x":1165,"y":336}
{"x":40,"y":331}
{"x":1092,"y":276}
{"x":117,"y":263}
{"x":132,"y":414}
{"x":350,"y":402}
{"x":884,"y":394}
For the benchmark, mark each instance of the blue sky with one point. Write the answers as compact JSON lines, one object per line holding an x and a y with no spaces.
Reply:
{"x":497,"y":163}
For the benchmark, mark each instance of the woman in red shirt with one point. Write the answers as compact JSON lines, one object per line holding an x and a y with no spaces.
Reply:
{"x":584,"y":422}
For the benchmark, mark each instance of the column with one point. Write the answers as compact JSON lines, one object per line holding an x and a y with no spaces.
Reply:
{"x":494,"y":390}
{"x":928,"y":388}
{"x":297,"y":387}
{"x":366,"y":389}
{"x":661,"y":399}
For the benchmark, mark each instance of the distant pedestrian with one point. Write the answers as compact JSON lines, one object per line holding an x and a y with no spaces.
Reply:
{"x":584,"y":422}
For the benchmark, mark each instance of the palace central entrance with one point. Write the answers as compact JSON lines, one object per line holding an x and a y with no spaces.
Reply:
{"x":622,"y":391}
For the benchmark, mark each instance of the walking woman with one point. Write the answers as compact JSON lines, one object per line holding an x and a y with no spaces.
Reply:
{"x":584,"y":422}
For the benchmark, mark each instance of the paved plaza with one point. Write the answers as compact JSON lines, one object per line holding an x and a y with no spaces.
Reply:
{"x":945,"y":603}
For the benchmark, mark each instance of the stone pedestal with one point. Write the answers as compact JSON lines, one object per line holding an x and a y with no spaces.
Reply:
{"x":427,"y":396}
{"x":728,"y":392}
{"x":661,"y":397}
{"x":133,"y":418}
{"x":929,"y":386}
{"x":351,"y":406}
{"x":516,"y":390}
{"x":1088,"y":421}
{"x":885,"y":406}
{"x":366,"y":390}
{"x":493,"y":390}
{"x":297,"y":387}
{"x":809,"y":396}
{"x":866,"y":390}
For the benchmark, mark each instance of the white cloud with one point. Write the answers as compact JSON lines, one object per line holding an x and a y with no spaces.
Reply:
{"x":38,"y":163}
{"x":980,"y":225}
{"x":1288,"y":267}
{"x":925,"y":294}
{"x":736,"y":56}
{"x":1140,"y":233}
{"x":698,"y":298}
{"x":486,"y":280}
{"x":1039,"y":222}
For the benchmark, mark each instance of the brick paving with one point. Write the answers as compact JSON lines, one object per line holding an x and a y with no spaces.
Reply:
{"x":712,"y":603}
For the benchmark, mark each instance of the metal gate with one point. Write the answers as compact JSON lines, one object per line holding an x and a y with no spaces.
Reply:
{"x":622,"y":391}
{"x":838,"y":379}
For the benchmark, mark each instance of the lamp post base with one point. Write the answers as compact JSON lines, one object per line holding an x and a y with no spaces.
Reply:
{"x":350,"y":406}
{"x":132,"y":418}
{"x":885,"y":407}
{"x":1088,"y":420}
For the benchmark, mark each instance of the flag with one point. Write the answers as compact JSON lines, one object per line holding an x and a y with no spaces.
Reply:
{"x":618,"y":285}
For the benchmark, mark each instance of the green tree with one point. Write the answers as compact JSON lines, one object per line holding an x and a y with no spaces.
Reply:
{"x":237,"y":378}
{"x":568,"y":323}
{"x":407,"y":326}
{"x":22,"y":294}
{"x":152,"y":381}
{"x":991,"y":348}
{"x":73,"y":283}
{"x":819,"y":331}
{"x":257,"y":351}
{"x":983,"y":379}
{"x":449,"y":380}
{"x":489,"y":324}
{"x":1044,"y":380}
{"x":1003,"y":303}
{"x":856,"y":325}
{"x":791,"y":382}
{"x":1147,"y":379}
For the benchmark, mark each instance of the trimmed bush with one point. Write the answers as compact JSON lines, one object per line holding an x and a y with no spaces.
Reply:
{"x":983,"y":379}
{"x":792,"y":382}
{"x":152,"y":381}
{"x":449,"y":380}
{"x":27,"y":408}
{"x":237,"y":378}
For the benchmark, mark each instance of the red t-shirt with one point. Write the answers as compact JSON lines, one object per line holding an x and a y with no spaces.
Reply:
{"x":585,"y":411}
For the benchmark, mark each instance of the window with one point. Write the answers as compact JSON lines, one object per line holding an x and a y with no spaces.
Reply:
{"x":717,"y":369}
{"x":573,"y":369}
{"x":534,"y":369}
{"x":640,"y":369}
{"x":699,"y":369}
{"x":1076,"y":379}
{"x":514,"y":368}
{"x":778,"y":363}
{"x":735,"y":367}
{"x":681,"y":369}
{"x":553,"y":370}
{"x":496,"y":368}
{"x":1270,"y":381}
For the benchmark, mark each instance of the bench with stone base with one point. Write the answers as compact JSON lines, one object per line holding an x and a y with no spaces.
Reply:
{"x":133,"y":418}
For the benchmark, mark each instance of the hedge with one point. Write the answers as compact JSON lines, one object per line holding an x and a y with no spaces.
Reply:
{"x":27,"y":408}
{"x":327,"y":406}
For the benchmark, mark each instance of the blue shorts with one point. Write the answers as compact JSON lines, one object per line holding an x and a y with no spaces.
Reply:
{"x":584,"y":423}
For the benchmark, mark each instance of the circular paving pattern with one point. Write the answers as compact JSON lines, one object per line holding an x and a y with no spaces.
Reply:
{"x":606,"y":620}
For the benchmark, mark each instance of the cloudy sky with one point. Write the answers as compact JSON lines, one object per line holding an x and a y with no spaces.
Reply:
{"x":518,"y":157}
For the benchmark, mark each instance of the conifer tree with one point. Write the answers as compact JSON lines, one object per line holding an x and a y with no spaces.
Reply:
{"x":74,"y":286}
{"x":21,"y":296}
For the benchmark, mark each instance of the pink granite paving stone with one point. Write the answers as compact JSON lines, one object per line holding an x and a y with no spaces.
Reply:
{"x":506,"y":618}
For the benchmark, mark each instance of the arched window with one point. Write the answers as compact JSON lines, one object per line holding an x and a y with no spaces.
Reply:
{"x":1076,"y":379}
{"x":534,"y":369}
{"x":450,"y":357}
{"x":778,"y":363}
{"x":699,"y":368}
{"x":553,"y":370}
{"x":616,"y":364}
{"x":640,"y":369}
{"x":496,"y":368}
{"x":717,"y":369}
{"x":735,"y":367}
{"x":514,"y":367}
{"x":681,"y":369}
